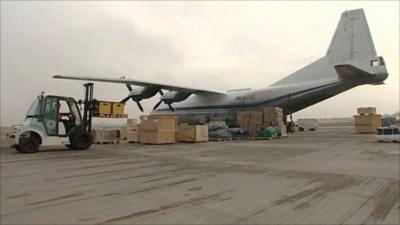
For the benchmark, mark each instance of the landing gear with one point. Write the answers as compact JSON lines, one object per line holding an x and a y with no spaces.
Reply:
{"x":290,"y":126}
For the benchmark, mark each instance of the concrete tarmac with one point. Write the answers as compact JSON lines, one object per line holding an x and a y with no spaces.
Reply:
{"x":332,"y":176}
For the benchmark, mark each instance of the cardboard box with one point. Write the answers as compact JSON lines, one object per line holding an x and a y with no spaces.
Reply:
{"x":250,"y":120}
{"x":252,"y":129}
{"x":272,"y":114}
{"x":118,"y":108}
{"x":156,"y":137}
{"x":273,"y":110}
{"x":250,"y":117}
{"x":196,"y":133}
{"x":366,"y":110}
{"x":256,"y":117}
{"x":104,"y":107}
{"x":274,"y":123}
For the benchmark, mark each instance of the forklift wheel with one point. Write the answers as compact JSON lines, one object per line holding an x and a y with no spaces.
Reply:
{"x":28,"y":145}
{"x":80,"y":139}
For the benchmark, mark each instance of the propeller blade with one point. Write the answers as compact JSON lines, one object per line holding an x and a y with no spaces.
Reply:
{"x":161,"y":92}
{"x":170,"y":107}
{"x":125,"y":99}
{"x":129,"y":87}
{"x":158,"y":104}
{"x":139,"y":105}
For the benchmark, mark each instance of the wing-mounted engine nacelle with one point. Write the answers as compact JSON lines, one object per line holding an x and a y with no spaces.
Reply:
{"x":140,"y":93}
{"x":171,"y":97}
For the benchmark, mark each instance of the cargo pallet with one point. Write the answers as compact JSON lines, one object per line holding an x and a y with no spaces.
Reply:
{"x":262,"y":138}
{"x":111,"y":115}
{"x":103,"y":142}
{"x":221,"y":139}
{"x":157,"y":143}
{"x":194,"y":141}
{"x":240,"y":138}
{"x":230,"y":138}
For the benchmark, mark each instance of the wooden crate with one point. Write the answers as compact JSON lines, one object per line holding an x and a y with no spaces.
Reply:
{"x":366,"y":110}
{"x":156,"y":137}
{"x":196,"y":133}
{"x":367,"y":123}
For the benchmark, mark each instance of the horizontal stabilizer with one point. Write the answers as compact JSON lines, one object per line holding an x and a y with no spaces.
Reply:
{"x":347,"y":71}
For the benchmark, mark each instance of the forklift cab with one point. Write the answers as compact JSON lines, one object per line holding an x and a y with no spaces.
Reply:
{"x":52,"y":120}
{"x":55,"y":115}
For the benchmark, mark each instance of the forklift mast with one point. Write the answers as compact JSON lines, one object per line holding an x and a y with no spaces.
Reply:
{"x":88,"y":107}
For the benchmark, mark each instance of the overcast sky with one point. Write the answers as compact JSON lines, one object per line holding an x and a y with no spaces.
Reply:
{"x":208,"y":45}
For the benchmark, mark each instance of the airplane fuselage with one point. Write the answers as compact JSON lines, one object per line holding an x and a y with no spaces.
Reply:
{"x":290,"y":97}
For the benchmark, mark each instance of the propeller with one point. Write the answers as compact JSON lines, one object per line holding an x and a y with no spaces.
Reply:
{"x":159,"y":103}
{"x":171,"y":97}
{"x":130,"y":96}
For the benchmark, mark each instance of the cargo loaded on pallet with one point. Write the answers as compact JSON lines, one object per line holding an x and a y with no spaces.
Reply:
{"x":367,"y":122}
{"x":109,"y":109}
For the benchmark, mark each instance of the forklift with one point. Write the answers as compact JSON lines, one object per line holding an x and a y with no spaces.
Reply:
{"x":56,"y":120}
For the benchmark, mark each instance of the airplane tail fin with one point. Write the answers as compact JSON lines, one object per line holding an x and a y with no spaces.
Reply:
{"x":351,"y":45}
{"x":352,"y":38}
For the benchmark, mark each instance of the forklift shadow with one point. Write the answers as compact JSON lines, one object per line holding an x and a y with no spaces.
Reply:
{"x":58,"y":149}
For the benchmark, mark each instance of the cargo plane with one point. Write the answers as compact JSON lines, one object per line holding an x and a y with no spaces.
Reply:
{"x":350,"y":61}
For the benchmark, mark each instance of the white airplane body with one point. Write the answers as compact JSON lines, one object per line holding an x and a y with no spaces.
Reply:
{"x":350,"y":61}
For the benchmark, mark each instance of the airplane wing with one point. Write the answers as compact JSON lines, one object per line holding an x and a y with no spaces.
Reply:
{"x":139,"y":83}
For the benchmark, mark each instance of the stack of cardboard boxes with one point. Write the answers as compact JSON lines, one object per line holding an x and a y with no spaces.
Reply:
{"x":192,"y":133}
{"x":132,"y":132}
{"x":158,"y":129}
{"x":250,"y":120}
{"x":253,"y":120}
{"x":367,"y":121}
{"x":273,"y":116}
